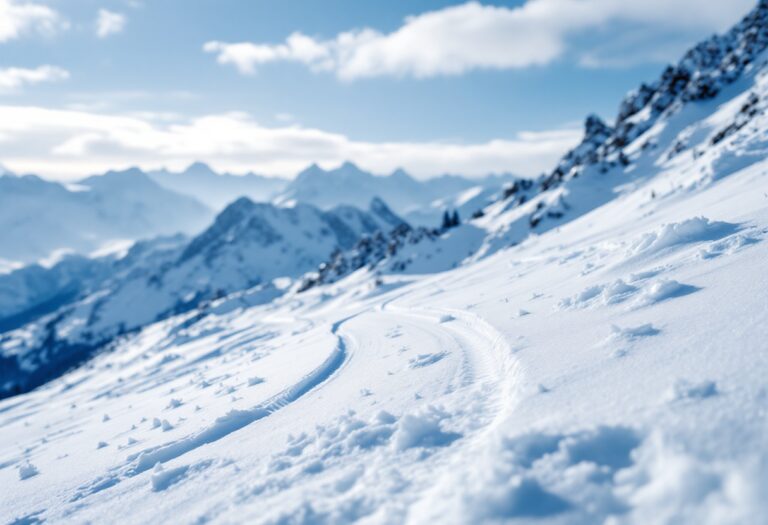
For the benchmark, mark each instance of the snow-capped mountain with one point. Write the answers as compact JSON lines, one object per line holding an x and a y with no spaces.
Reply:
{"x":587,"y":348}
{"x":60,"y":316}
{"x":216,"y":190}
{"x":670,"y":136}
{"x":39,"y":218}
{"x":683,"y":124}
{"x":421,"y":202}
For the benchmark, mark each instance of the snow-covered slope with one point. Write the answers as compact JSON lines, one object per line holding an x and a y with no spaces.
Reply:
{"x":59,"y":317}
{"x":39,"y":219}
{"x":216,"y":190}
{"x":613,"y":369}
{"x":701,"y":120}
{"x":420,"y":202}
{"x":608,"y":368}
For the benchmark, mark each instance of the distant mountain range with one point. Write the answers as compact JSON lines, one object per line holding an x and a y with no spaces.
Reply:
{"x":217,"y":190}
{"x":418,"y":201}
{"x":39,"y":218}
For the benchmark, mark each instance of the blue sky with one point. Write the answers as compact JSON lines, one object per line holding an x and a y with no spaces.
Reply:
{"x":433,"y":86}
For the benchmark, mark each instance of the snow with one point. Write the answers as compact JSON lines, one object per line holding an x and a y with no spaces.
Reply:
{"x":421,"y":202}
{"x":27,"y":470}
{"x":41,"y":219}
{"x":80,"y":303}
{"x":510,"y":415}
{"x":606,"y":365}
{"x":683,"y":389}
{"x":696,"y":229}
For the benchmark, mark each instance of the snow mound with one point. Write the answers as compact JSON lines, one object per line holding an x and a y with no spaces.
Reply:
{"x":645,"y":330}
{"x":684,"y":389}
{"x":539,"y":475}
{"x":423,"y":430}
{"x":27,"y":470}
{"x":619,"y":291}
{"x":697,"y":229}
{"x":422,"y":360}
{"x":727,"y":246}
{"x":670,"y":485}
{"x":253,"y":381}
{"x":603,"y":295}
{"x":663,"y":290}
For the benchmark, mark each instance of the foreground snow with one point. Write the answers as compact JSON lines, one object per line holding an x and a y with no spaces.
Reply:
{"x":610,"y":370}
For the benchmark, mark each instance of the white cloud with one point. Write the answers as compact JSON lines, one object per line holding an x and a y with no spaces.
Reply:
{"x":246,"y":56}
{"x":13,"y":78}
{"x":19,"y":18}
{"x":67,"y":144}
{"x":469,"y":36}
{"x":109,"y":23}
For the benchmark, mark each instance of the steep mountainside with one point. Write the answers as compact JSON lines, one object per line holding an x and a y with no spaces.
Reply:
{"x":700,"y":121}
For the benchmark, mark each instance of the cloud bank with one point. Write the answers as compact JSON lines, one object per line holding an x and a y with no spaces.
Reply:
{"x":66,"y":144}
{"x":471,"y":36}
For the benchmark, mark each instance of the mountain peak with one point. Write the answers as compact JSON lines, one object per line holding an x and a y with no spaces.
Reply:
{"x":349,"y":168}
{"x":128,"y":177}
{"x":380,"y":209}
{"x":400,"y":173}
{"x":199,"y":167}
{"x":595,"y":126}
{"x":348,"y":165}
{"x":312,"y":170}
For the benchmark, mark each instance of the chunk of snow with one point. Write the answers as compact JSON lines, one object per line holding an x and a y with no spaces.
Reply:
{"x":253,"y":381}
{"x":423,"y":430}
{"x":697,"y":229}
{"x":604,"y":294}
{"x":422,"y":360}
{"x":683,"y":389}
{"x":27,"y":470}
{"x":162,"y":479}
{"x":663,"y":290}
{"x":632,"y":333}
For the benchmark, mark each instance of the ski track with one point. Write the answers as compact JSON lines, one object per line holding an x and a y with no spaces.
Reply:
{"x":225,"y":425}
{"x":484,"y":372}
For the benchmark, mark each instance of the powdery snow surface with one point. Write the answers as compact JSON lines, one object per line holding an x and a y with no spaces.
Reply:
{"x":631,"y":393}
